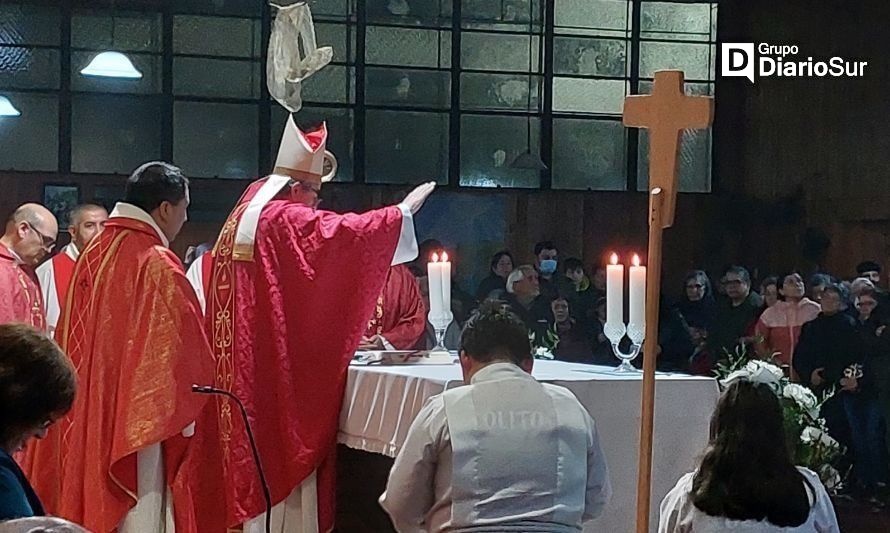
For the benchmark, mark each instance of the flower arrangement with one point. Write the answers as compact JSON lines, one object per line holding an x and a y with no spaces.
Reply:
{"x":543,"y":347}
{"x":812,"y":447}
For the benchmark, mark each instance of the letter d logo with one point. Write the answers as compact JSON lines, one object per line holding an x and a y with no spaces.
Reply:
{"x":737,"y":59}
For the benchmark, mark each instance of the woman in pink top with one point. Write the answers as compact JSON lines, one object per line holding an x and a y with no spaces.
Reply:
{"x":779,"y":326}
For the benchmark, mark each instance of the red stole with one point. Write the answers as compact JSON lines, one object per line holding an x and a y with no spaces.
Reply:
{"x":20,"y":296}
{"x":284,"y":327}
{"x":132,"y":328}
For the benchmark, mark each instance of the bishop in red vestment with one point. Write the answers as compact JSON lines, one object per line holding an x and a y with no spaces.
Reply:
{"x":87,"y":220}
{"x":399,"y":319}
{"x":133,"y":330}
{"x":288,"y":294}
{"x":30,"y":234}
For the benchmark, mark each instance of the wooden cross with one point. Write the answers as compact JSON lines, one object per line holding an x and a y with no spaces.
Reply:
{"x":665,"y":113}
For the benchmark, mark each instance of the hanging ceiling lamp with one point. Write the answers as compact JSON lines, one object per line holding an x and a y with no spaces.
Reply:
{"x":527,"y":160}
{"x":111,"y":64}
{"x":7,"y":109}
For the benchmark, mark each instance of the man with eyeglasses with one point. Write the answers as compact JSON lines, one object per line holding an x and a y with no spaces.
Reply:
{"x":289,"y":290}
{"x":736,"y":314}
{"x":30,"y":235}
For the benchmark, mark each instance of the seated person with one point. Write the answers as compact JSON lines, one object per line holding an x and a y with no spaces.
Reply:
{"x":742,"y":484}
{"x":494,"y":285}
{"x":399,"y":317}
{"x":504,"y":453}
{"x":584,"y":297}
{"x":525,"y":299}
{"x":37,"y":385}
{"x":574,"y":342}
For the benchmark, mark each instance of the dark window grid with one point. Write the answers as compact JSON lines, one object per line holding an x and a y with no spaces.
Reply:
{"x":676,"y":41}
{"x":592,"y":77}
{"x":444,"y":29}
{"x":31,"y":46}
{"x":411,"y":67}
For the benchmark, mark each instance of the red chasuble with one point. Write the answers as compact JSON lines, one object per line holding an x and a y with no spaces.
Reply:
{"x":20,"y":297}
{"x":286,"y":317}
{"x":133,"y":329}
{"x":399,"y":316}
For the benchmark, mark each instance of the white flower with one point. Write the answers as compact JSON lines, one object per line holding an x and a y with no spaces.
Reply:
{"x":813,"y":435}
{"x":543,"y":353}
{"x":803,"y":396}
{"x":830,"y":477}
{"x":756,"y":372}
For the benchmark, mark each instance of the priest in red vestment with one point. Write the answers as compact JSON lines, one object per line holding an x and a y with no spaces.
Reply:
{"x":289,"y":294}
{"x":30,"y":234}
{"x":399,"y":319}
{"x":87,"y":220}
{"x":133,"y":329}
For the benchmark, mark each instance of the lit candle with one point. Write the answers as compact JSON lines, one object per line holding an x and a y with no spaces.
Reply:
{"x":614,"y":292}
{"x":637,"y":294}
{"x":446,"y":284}
{"x":434,"y":275}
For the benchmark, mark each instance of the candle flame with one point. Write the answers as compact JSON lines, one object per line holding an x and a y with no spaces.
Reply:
{"x":613,"y":259}
{"x":434,"y":258}
{"x":444,"y":256}
{"x":636,"y":260}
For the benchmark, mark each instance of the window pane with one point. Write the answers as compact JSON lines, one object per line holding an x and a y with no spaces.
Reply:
{"x":689,"y":20}
{"x":408,"y":47}
{"x":408,"y":87}
{"x":220,"y":7}
{"x":124,"y":33}
{"x":406,"y":147}
{"x":104,"y":143}
{"x":335,"y":36}
{"x":607,"y":17}
{"x":696,"y":60}
{"x":588,"y":96}
{"x":148,"y":65}
{"x":333,"y":9}
{"x":491,"y":51}
{"x":408,"y":13}
{"x":694,"y":157}
{"x":589,"y":154}
{"x":216,"y":77}
{"x":31,"y":141}
{"x":216,"y":36}
{"x":498,"y":91}
{"x":692,"y":89}
{"x":504,"y":15}
{"x":488,"y":144}
{"x":29,"y":68}
{"x":215,"y":140}
{"x":332,"y":84}
{"x":340,"y":133}
{"x":29,"y":24}
{"x":593,"y":57}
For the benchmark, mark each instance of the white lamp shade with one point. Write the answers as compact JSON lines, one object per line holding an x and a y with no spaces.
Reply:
{"x":7,"y":109}
{"x":111,"y":65}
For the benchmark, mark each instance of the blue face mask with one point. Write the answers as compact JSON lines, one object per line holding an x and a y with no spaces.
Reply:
{"x":548,"y":266}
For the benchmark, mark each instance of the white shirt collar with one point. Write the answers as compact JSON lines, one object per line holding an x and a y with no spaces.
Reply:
{"x":71,"y":251}
{"x":497,"y":371}
{"x":14,"y":255}
{"x":125,"y":210}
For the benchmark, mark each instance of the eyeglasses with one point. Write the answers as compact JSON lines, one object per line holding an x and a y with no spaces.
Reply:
{"x":695,"y":286}
{"x":48,"y":242}
{"x":306,"y":187}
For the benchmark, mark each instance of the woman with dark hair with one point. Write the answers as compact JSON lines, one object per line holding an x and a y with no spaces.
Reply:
{"x":496,"y":282}
{"x":746,"y":480}
{"x":697,"y":305}
{"x":37,"y":386}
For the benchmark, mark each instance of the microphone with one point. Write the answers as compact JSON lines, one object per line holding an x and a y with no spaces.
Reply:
{"x":267,"y":496}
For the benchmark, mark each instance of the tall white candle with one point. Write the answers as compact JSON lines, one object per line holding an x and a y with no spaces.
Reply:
{"x":434,"y":275}
{"x":446,"y":284}
{"x":638,"y":294}
{"x":614,"y":292}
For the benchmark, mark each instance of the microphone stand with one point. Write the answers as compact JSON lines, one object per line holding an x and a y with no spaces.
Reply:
{"x":256,"y":453}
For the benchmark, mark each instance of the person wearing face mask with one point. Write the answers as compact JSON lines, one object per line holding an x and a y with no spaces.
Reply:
{"x":133,"y":329}
{"x":496,"y":282}
{"x":30,"y":235}
{"x":552,"y":282}
{"x":778,"y":328}
{"x":87,"y":220}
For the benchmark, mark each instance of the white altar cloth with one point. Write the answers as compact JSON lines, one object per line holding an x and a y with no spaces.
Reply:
{"x":380,"y":402}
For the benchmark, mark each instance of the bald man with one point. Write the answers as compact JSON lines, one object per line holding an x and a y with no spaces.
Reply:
{"x":30,"y":235}
{"x":54,"y":276}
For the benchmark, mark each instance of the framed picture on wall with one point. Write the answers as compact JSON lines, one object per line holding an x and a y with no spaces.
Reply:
{"x":61,"y":198}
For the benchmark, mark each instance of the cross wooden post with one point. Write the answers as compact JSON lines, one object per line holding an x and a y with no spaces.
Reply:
{"x":665,"y":113}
